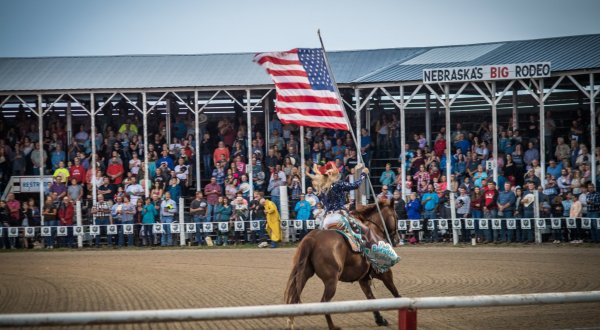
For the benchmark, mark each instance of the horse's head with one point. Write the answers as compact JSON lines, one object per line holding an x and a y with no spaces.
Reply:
{"x":368,"y":214}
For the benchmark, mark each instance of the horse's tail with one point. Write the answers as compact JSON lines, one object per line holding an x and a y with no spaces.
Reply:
{"x":301,"y":271}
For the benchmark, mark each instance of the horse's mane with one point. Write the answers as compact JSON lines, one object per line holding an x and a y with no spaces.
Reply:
{"x":369,"y":209}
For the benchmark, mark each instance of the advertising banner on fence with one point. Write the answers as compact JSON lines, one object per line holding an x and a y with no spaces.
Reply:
{"x":487,"y":72}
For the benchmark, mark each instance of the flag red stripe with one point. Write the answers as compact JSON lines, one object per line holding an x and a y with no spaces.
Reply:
{"x":316,"y":124}
{"x":293,"y":86}
{"x":277,"y":60}
{"x":303,"y":98}
{"x":287,"y":73}
{"x":311,"y":112}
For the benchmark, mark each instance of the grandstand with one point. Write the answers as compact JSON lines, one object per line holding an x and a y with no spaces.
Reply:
{"x":178,"y":98}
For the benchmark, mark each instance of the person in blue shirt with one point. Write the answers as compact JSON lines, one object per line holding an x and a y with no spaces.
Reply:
{"x":303,"y":211}
{"x":388,"y":177}
{"x":165,"y":159}
{"x":174,"y":189}
{"x":430,"y":201}
{"x":554,"y":168}
{"x":365,"y":145}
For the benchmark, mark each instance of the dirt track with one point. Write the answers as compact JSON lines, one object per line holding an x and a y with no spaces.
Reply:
{"x":94,"y":280}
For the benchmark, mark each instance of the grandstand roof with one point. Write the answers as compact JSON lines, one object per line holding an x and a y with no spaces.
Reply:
{"x":237,"y":69}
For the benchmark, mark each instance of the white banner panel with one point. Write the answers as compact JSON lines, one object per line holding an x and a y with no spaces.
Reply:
{"x":78,"y":230}
{"x":191,"y":228}
{"x":487,"y":72}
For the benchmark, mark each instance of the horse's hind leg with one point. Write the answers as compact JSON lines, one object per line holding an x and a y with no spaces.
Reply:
{"x":330,"y":287}
{"x":366,"y":288}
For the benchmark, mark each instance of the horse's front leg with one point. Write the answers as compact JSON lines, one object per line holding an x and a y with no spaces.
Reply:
{"x":388,"y":280}
{"x":365,"y":285}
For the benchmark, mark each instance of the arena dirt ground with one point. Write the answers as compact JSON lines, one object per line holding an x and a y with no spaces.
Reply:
{"x":101,"y":280}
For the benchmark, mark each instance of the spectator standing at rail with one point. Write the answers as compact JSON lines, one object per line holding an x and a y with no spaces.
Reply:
{"x":150,"y":214}
{"x":198,"y":209}
{"x":490,"y":205}
{"x":127,"y":213}
{"x":65,"y":217}
{"x":273,"y":225}
{"x":303,"y":212}
{"x":506,"y":208}
{"x":168,"y":208}
{"x":212,"y":191}
{"x":593,"y":210}
{"x":463,"y":205}
{"x":102,"y":218}
{"x":529,"y":199}
{"x":430,"y":202}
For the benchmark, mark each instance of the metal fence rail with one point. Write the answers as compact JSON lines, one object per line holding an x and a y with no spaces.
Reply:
{"x":268,"y":311}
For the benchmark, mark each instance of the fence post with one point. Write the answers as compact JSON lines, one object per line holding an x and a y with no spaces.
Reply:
{"x":79,"y":222}
{"x":536,"y":209}
{"x":407,"y":319}
{"x":181,"y":222}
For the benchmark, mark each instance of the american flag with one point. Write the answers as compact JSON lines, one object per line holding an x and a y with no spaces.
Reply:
{"x":305,"y":92}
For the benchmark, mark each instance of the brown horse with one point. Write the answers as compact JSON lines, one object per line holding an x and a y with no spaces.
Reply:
{"x":327,"y":254}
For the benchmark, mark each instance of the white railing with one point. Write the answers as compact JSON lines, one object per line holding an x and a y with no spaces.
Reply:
{"x":269,"y":311}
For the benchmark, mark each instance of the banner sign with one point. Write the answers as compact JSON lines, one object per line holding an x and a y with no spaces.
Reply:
{"x":487,"y":72}
{"x":32,"y":184}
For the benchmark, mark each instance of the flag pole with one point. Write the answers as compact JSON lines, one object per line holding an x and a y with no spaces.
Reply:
{"x":358,"y":152}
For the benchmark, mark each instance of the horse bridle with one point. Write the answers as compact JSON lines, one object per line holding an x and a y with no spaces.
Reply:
{"x":380,"y":227}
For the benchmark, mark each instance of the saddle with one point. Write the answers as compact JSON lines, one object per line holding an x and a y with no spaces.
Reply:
{"x":344,"y":228}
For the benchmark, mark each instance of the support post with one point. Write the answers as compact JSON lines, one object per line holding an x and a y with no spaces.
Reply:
{"x":536,"y":213}
{"x":302,"y":160}
{"x":494,"y":132}
{"x":455,"y":232}
{"x":40,"y":114}
{"x":93,"y":140}
{"x":593,"y":127}
{"x":542,"y":134}
{"x":407,"y":319}
{"x":79,"y":223}
{"x":515,"y":104}
{"x":69,"y":128}
{"x":403,"y":142}
{"x":249,"y":168}
{"x":428,"y":119}
{"x":182,"y":230}
{"x":267,"y":121}
{"x":146,"y":158}
{"x":168,"y":120}
{"x":197,"y":139}
{"x":360,"y":192}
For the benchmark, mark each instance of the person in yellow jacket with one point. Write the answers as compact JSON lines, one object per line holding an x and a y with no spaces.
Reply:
{"x":273,"y":225}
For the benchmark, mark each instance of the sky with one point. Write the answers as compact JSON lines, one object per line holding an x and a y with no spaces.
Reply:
{"x":32,"y":28}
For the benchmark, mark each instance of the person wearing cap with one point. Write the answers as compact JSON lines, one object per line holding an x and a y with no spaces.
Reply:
{"x":332,"y":192}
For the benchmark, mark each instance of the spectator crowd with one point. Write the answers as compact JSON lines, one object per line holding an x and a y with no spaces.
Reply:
{"x":229,"y":194}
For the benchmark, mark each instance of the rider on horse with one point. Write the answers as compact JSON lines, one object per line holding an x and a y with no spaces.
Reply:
{"x":332,"y":191}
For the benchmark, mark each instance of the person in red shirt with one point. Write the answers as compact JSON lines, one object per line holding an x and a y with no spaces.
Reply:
{"x":490,"y":197}
{"x":221,"y":150}
{"x":77,"y":171}
{"x":115,"y":171}
{"x":65,"y":217}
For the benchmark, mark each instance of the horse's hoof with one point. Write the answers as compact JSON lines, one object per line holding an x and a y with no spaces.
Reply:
{"x":382,"y":322}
